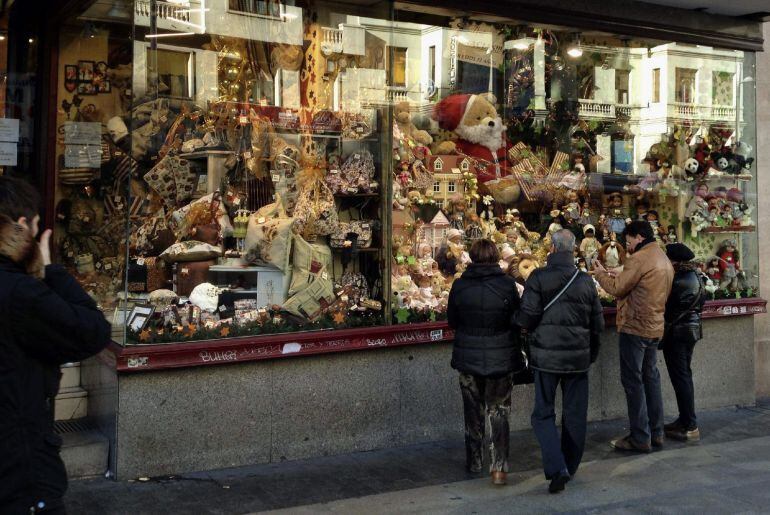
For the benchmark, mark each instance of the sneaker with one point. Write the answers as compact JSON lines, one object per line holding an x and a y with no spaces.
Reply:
{"x":558,"y":483}
{"x":657,"y":441}
{"x":629,"y":445}
{"x":676,"y":424}
{"x":684,"y":435}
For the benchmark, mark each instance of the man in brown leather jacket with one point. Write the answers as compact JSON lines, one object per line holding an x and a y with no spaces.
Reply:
{"x":641,"y":290}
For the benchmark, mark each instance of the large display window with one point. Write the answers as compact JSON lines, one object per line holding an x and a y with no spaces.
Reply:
{"x":247,"y":168}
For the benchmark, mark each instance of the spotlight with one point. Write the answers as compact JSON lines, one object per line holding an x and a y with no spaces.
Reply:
{"x":574,"y":50}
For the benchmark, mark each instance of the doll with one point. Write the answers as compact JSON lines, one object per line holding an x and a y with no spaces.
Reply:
{"x":732,"y":277}
{"x":589,"y":247}
{"x":572,"y":209}
{"x":556,"y":223}
{"x":425,"y":258}
{"x":507,"y":254}
{"x":601,"y":229}
{"x":585,"y":215}
{"x":612,"y":255}
{"x":581,"y":265}
{"x":712,"y":269}
{"x":616,"y":219}
{"x":474,"y":230}
{"x":488,"y":217}
{"x":399,"y":200}
{"x":456,"y":212}
{"x":642,"y":206}
{"x":652,"y":219}
{"x":671,"y":235}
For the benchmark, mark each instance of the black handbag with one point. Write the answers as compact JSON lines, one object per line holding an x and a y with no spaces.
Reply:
{"x":137,"y":276}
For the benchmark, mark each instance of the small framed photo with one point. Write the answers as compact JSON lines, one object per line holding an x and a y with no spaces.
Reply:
{"x":86,"y":88}
{"x":86,"y":71}
{"x":70,"y":77}
{"x":104,"y":87}
{"x":140,"y":316}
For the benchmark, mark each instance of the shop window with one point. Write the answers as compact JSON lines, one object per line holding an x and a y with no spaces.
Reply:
{"x":170,"y":72}
{"x":655,"y":85}
{"x":586,"y":79}
{"x":621,"y":86}
{"x":396,"y":66}
{"x":722,"y":89}
{"x":432,"y":63}
{"x":270,"y":8}
{"x":685,"y":85}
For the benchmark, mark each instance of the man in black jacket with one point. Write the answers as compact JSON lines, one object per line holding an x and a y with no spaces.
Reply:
{"x":561,"y":306}
{"x":682,"y":331}
{"x":46,"y":320}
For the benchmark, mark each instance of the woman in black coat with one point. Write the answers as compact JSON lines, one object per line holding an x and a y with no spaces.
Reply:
{"x":683,"y":330}
{"x":481,"y":304}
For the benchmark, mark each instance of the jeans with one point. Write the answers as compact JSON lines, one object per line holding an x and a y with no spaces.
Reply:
{"x":486,"y":398}
{"x":678,"y":359}
{"x":641,"y":381}
{"x":560,"y":455}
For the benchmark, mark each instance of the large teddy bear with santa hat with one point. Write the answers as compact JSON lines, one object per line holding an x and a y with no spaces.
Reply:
{"x":479,"y":129}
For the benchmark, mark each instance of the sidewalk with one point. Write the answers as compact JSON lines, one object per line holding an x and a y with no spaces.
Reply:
{"x":728,"y":472}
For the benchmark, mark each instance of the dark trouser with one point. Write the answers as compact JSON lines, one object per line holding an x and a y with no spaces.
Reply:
{"x":560,"y":454}
{"x":641,"y":381}
{"x":486,"y":397}
{"x":678,"y":359}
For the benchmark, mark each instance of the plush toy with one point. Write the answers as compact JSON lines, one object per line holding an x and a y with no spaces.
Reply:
{"x":741,"y":158}
{"x":407,"y":128}
{"x":612,"y":255}
{"x":479,"y":129}
{"x":732,"y":277}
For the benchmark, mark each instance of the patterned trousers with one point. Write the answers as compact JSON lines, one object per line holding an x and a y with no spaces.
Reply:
{"x":486,"y":398}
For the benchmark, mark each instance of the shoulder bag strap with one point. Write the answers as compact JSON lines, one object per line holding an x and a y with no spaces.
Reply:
{"x":561,"y":292}
{"x":690,"y":307}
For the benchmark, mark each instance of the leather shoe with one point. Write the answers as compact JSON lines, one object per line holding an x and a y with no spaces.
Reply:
{"x":558,"y":483}
{"x":499,"y":477}
{"x":657,"y":441}
{"x":684,"y":435}
{"x":627,"y":444}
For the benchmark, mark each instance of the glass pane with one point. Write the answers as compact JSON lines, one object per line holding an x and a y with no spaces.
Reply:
{"x":259,"y":130}
{"x":527,"y":129}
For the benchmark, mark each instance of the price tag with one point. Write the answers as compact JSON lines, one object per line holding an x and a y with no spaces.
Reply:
{"x":325,"y":276}
{"x":359,"y":129}
{"x":244,"y":120}
{"x":98,"y":265}
{"x":108,"y":266}
{"x":276,"y":177}
{"x":164,"y":119}
{"x":237,"y":201}
{"x":140,"y":261}
{"x":70,"y":254}
{"x":247,"y":154}
{"x":335,"y":171}
{"x":364,"y":226}
{"x":223,"y":308}
{"x":261,"y":220}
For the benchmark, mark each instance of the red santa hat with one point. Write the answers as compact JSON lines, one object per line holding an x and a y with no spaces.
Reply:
{"x":450,"y":111}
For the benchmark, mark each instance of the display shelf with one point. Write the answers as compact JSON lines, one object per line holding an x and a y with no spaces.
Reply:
{"x":729,"y":230}
{"x":368,"y":249}
{"x":356,"y":195}
{"x":204,"y":154}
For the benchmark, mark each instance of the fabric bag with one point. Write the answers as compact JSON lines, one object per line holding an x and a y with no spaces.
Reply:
{"x":269,"y":236}
{"x":315,"y":213}
{"x":190,"y":251}
{"x":358,"y":232}
{"x":356,"y":175}
{"x":307,"y":261}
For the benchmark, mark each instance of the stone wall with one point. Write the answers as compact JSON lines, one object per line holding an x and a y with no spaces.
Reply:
{"x":268,"y":411}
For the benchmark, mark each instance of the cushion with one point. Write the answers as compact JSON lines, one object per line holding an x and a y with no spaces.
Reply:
{"x":190,"y":251}
{"x":269,"y":237}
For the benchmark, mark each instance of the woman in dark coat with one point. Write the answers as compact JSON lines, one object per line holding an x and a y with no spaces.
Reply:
{"x":683,"y":330}
{"x":481,"y":303}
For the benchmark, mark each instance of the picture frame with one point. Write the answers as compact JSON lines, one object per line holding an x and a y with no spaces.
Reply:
{"x":86,"y":88}
{"x":140,"y":316}
{"x":70,"y":77}
{"x":86,"y":71}
{"x":104,"y":87}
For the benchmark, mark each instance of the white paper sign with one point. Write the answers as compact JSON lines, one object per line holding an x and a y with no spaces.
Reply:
{"x":8,"y":154}
{"x":82,"y":133}
{"x":9,"y":130}
{"x":82,"y":156}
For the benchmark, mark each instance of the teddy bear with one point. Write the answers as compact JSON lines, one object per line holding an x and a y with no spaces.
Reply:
{"x":479,"y":130}
{"x":406,"y":128}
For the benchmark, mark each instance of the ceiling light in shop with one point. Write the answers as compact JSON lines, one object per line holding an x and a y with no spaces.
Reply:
{"x":574,"y":50}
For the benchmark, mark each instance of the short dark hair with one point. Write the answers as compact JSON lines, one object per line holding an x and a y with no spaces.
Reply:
{"x":639,"y":228}
{"x":484,"y":252}
{"x":18,"y":198}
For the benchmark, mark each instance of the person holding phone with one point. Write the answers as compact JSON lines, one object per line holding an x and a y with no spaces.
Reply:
{"x":641,"y":291}
{"x":46,"y":320}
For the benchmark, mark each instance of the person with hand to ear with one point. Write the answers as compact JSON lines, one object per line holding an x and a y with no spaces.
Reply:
{"x":46,"y":320}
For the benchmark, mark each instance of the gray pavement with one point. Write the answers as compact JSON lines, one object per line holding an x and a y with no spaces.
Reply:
{"x":727,"y":472}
